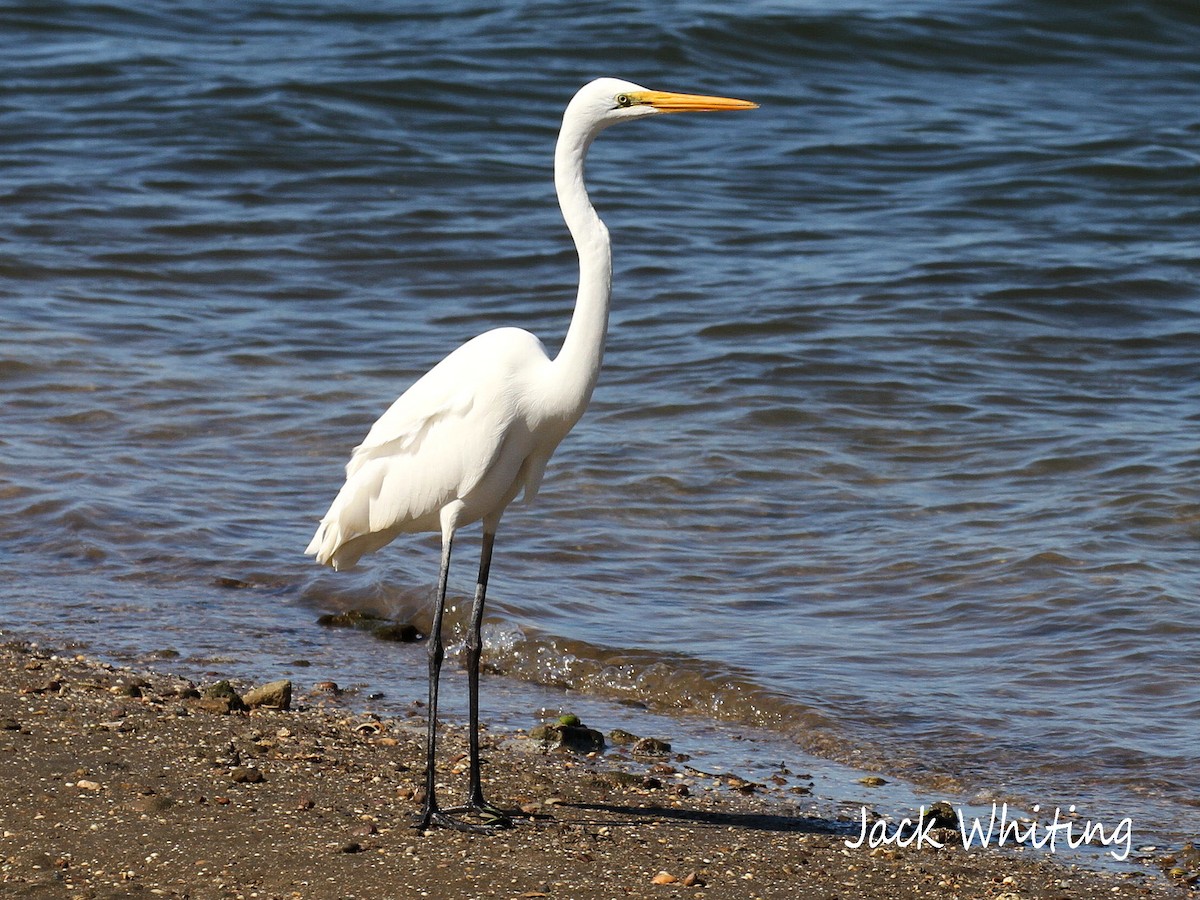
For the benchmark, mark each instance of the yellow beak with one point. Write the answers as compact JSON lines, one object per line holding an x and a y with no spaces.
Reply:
{"x":666,"y":101}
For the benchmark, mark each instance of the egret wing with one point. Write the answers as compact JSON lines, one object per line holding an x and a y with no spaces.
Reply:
{"x":435,"y":443}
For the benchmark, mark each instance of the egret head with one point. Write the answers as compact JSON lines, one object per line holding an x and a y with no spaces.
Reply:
{"x":607,"y":101}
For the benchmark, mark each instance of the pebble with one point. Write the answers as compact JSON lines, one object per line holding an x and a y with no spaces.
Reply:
{"x":403,"y":633}
{"x":576,"y":738}
{"x":664,"y":877}
{"x":222,"y":706}
{"x":352,"y":618}
{"x":229,"y":755}
{"x":274,"y":695}
{"x":84,"y":785}
{"x":652,"y":746}
{"x":246,"y":775}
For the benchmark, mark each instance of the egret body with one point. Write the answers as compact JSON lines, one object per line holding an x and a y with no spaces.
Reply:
{"x":479,"y":427}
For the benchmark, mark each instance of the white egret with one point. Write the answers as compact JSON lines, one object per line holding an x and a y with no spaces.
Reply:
{"x":478,"y":428}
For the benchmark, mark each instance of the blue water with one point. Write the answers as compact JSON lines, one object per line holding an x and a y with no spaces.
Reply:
{"x":894,"y":452}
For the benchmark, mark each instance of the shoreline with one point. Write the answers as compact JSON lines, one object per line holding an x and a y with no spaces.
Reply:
{"x":127,"y":783}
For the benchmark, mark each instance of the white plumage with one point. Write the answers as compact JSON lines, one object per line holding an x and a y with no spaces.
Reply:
{"x":469,"y":436}
{"x":478,"y":428}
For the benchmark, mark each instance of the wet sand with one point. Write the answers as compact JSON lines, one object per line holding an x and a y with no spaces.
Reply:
{"x":119,"y":784}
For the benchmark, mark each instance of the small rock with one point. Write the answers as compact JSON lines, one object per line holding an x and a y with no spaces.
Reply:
{"x":84,"y":785}
{"x":691,"y":879}
{"x":221,"y":697}
{"x":872,"y":781}
{"x":575,"y":738}
{"x":664,"y":878}
{"x":401,"y":632}
{"x":229,"y":755}
{"x":352,"y":618}
{"x":623,"y":779}
{"x":220,"y":689}
{"x":246,"y":775}
{"x":620,"y":737}
{"x":350,"y":847}
{"x":651,"y":747}
{"x":7,"y":723}
{"x":327,"y":687}
{"x":274,"y":695}
{"x":942,"y":815}
{"x":740,"y":784}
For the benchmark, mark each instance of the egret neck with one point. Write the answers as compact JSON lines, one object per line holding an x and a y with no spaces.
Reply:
{"x":577,"y":365}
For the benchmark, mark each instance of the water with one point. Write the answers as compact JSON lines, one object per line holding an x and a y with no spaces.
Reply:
{"x":894,"y":453}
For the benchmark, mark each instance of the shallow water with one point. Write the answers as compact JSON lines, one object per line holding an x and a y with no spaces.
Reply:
{"x":894,"y":452}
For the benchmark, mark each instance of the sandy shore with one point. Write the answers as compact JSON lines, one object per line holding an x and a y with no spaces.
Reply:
{"x":118,"y":784}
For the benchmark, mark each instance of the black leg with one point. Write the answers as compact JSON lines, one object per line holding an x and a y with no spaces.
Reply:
{"x":492,"y":816}
{"x":475,"y":799}
{"x":432,"y":815}
{"x":436,"y":654}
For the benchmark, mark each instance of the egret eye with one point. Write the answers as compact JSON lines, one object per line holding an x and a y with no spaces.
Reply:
{"x":624,"y":100}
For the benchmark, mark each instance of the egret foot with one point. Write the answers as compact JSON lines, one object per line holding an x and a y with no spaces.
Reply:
{"x":438,"y":818}
{"x":490,"y":814}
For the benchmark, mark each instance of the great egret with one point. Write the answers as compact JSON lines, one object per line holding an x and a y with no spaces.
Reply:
{"x":478,"y":428}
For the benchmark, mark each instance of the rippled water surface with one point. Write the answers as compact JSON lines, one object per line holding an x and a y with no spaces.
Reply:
{"x":895,"y":449}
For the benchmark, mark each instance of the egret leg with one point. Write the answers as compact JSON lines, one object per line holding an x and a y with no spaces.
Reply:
{"x":475,"y":799}
{"x":433,"y":815}
{"x":436,"y":654}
